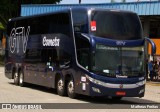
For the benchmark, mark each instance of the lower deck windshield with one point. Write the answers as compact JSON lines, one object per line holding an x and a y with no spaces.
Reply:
{"x":112,"y":61}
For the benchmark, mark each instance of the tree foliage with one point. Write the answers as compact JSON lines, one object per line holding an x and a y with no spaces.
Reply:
{"x":39,"y":1}
{"x":11,"y":8}
{"x":7,"y":10}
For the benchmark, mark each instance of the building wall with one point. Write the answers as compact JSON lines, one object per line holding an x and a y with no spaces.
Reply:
{"x":157,"y":42}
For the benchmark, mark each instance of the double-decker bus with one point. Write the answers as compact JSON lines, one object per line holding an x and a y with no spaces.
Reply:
{"x":88,"y":51}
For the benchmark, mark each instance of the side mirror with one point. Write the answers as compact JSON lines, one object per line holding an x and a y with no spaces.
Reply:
{"x":153,"y":45}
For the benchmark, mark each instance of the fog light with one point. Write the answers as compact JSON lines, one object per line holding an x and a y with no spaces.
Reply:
{"x":96,"y":90}
{"x":141,"y":91}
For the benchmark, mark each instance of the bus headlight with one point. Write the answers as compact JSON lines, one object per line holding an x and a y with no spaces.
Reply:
{"x":95,"y":81}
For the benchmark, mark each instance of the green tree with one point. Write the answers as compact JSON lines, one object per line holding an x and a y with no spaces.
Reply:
{"x":11,"y":8}
{"x":39,"y":1}
{"x":1,"y":26}
{"x":7,"y":10}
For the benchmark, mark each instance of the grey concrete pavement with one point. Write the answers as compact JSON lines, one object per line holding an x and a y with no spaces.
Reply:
{"x":9,"y":93}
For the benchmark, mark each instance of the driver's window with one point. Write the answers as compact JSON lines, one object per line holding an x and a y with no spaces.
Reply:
{"x":83,"y":47}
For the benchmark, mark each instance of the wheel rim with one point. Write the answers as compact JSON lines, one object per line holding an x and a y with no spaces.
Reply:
{"x":60,"y":85}
{"x":70,"y":87}
{"x":21,"y":78}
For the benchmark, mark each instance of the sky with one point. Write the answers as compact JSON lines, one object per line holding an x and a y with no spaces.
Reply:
{"x":95,"y":1}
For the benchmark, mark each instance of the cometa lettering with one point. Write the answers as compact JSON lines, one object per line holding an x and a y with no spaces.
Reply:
{"x":51,"y":42}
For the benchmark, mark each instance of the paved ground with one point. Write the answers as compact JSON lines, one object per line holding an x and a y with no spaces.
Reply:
{"x":9,"y":93}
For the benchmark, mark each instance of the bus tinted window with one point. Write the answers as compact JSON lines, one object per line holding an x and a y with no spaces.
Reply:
{"x":80,"y":21}
{"x":82,"y":47}
{"x":115,"y":25}
{"x":56,"y":23}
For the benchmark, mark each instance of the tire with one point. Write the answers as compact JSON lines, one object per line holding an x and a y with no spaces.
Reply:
{"x":21,"y":79}
{"x":16,"y":78}
{"x":61,"y":87}
{"x":71,"y":89}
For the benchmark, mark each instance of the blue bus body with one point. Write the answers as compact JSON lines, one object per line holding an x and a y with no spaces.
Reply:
{"x":79,"y":51}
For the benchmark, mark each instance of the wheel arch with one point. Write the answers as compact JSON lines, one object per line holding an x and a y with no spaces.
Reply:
{"x":68,"y":77}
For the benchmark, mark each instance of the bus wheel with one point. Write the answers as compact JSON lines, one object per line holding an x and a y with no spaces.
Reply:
{"x":21,"y":79}
{"x":71,"y":89}
{"x":16,"y":78}
{"x":60,"y":87}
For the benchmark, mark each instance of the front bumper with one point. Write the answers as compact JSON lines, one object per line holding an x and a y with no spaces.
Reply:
{"x":99,"y":88}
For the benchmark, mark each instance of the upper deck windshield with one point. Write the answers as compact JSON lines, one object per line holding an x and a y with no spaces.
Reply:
{"x":115,"y":25}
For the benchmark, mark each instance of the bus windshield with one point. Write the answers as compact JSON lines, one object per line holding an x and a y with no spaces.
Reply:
{"x":112,"y":61}
{"x":115,"y":25}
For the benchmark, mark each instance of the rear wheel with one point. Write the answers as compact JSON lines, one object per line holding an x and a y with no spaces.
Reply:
{"x":16,"y":78}
{"x":71,"y":89}
{"x":60,"y":87}
{"x":21,"y":79}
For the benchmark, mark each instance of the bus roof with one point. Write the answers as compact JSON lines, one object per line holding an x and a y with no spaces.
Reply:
{"x":101,"y":9}
{"x":68,"y":10}
{"x":38,"y":15}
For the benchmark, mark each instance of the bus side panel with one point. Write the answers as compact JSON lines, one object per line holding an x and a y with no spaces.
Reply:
{"x":8,"y":60}
{"x":8,"y":65}
{"x":81,"y":82}
{"x":43,"y":61}
{"x":16,"y":39}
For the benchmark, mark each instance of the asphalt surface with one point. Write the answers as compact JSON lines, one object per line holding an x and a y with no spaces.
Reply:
{"x":48,"y":98}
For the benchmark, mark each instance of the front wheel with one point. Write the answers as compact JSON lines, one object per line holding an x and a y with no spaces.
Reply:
{"x":71,"y":89}
{"x":16,"y":78}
